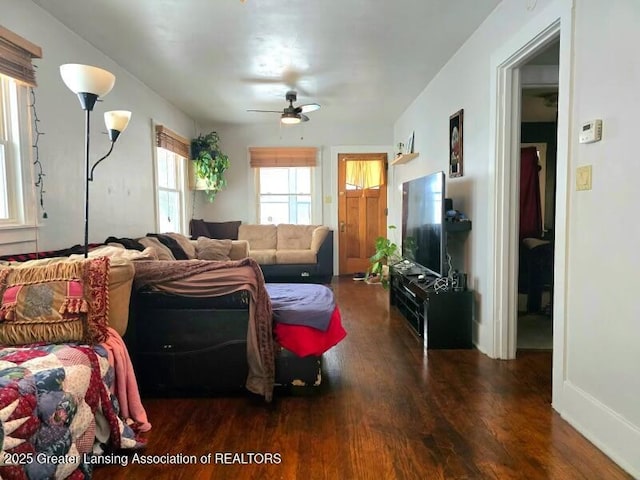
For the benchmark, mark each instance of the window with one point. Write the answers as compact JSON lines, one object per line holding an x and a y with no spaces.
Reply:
{"x":9,"y":122}
{"x":15,"y":131}
{"x":171,"y":158}
{"x":170,"y":190}
{"x":285,"y":195}
{"x":17,"y":203}
{"x":284,"y":179}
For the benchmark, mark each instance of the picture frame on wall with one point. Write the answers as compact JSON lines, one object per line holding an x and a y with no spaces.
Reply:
{"x":409,"y":144}
{"x":455,"y":144}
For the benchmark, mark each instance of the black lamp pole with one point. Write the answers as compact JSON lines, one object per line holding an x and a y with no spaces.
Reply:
{"x":87,"y":101}
{"x":86,"y":184}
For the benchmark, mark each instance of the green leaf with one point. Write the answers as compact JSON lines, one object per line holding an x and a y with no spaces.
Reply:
{"x":211,"y":162}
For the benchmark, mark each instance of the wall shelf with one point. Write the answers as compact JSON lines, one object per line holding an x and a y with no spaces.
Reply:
{"x":404,"y":158}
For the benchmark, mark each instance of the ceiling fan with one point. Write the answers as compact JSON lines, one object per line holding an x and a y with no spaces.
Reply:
{"x":291,"y":115}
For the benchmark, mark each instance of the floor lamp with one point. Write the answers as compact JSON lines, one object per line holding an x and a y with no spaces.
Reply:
{"x":91,"y":83}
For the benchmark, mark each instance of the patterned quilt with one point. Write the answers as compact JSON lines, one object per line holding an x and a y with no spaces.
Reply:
{"x":57,"y":411}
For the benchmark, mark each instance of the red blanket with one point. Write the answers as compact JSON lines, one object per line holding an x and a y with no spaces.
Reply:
{"x":305,"y":341}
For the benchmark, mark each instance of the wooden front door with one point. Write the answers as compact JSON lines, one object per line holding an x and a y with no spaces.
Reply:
{"x":362,"y":213}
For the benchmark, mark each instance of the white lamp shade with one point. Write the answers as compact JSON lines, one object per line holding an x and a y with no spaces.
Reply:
{"x":117,"y":120}
{"x":87,"y":79}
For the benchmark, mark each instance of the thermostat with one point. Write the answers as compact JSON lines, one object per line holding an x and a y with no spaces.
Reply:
{"x":591,"y":131}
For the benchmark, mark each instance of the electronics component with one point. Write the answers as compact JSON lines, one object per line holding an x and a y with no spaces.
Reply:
{"x":591,"y":131}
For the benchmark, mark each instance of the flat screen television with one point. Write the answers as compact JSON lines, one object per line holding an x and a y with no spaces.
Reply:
{"x":423,"y":229}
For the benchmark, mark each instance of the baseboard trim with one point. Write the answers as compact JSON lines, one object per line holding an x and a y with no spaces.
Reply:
{"x":618,"y":438}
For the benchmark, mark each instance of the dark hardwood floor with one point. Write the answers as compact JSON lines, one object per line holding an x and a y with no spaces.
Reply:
{"x":387,"y":409}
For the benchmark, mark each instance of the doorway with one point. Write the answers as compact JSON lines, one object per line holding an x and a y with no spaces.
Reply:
{"x":538,"y":137}
{"x":553,"y":22}
{"x":362,"y":208}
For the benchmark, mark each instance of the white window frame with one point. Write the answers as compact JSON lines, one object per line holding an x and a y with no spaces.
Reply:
{"x":20,"y":228}
{"x":181,"y":182}
{"x":316,"y":193}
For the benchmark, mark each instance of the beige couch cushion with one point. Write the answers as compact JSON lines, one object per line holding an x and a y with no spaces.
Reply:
{"x":239,"y":249}
{"x":260,"y":237}
{"x":120,"y":281}
{"x":294,"y":237}
{"x":212,"y":249}
{"x":263,"y":257}
{"x":295,"y":256}
{"x":318,"y":236}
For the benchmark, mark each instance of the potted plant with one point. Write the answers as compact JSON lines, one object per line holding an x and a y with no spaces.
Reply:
{"x":386,"y":251}
{"x":210,"y":162}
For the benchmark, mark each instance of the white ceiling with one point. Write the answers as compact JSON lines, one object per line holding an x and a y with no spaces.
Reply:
{"x":214,"y":59}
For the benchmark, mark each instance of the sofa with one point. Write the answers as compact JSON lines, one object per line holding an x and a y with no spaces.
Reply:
{"x":285,"y":252}
{"x":291,"y":253}
{"x":196,"y":326}
{"x":201,"y":327}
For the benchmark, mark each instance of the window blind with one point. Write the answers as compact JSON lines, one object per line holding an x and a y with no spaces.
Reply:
{"x":263,"y":157}
{"x":16,"y":54}
{"x":173,"y":142}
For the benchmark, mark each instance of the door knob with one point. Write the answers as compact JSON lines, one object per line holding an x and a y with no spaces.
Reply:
{"x":342,"y":227}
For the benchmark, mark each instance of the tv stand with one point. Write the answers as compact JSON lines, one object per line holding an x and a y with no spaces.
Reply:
{"x":442,"y":320}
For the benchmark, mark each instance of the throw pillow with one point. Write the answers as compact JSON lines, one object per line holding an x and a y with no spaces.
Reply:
{"x":212,"y":249}
{"x":198,"y":228}
{"x":65,"y":301}
{"x":164,"y":253}
{"x":176,"y":250}
{"x":223,"y":230}
{"x":184,"y":243}
{"x":219,"y":230}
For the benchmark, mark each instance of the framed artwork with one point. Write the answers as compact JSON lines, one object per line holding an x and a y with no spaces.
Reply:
{"x":409,"y":145}
{"x":455,"y":144}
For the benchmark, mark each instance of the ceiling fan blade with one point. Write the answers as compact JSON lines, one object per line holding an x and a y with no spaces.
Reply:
{"x":309,"y":107}
{"x":266,"y":111}
{"x":304,"y":118}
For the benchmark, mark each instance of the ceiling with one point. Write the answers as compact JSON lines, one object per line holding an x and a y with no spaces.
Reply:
{"x":214,"y":59}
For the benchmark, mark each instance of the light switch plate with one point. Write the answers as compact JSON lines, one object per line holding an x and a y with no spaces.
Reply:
{"x":583,"y":177}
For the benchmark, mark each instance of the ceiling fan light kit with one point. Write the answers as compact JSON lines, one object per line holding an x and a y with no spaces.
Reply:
{"x":293,"y":115}
{"x":289,"y":118}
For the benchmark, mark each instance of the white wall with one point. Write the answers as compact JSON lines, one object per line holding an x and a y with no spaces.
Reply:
{"x":463,"y":83}
{"x":601,"y":390}
{"x":121,"y":196}
{"x":603,"y":317}
{"x":237,"y":202}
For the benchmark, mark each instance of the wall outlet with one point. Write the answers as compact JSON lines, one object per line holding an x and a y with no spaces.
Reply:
{"x":583,"y":177}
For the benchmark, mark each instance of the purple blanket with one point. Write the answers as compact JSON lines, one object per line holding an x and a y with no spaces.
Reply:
{"x":302,"y":304}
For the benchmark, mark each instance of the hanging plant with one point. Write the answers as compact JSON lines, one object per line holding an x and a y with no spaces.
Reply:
{"x":210,"y":162}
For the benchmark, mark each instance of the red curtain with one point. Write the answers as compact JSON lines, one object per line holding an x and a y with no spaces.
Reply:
{"x":530,"y":210}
